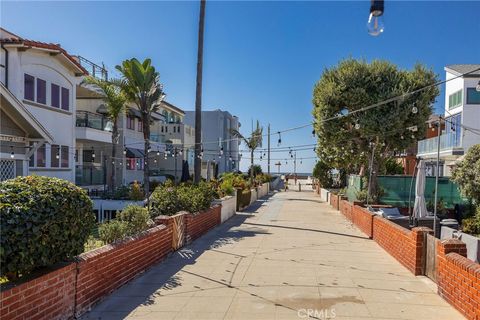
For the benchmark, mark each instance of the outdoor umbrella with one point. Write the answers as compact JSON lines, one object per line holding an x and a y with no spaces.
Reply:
{"x":420,"y":208}
{"x":185,"y":172}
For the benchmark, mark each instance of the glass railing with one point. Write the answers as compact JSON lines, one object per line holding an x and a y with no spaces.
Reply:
{"x":93,"y":120}
{"x":157,"y":137}
{"x":447,"y":141}
{"x":89,"y":175}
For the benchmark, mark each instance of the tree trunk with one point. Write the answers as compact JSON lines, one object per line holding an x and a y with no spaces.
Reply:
{"x":146,"y":137}
{"x":114,"y":153}
{"x":251,"y":167}
{"x":198,"y":98}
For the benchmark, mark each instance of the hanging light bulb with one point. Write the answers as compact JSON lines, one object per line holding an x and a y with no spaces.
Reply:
{"x":149,"y":149}
{"x":401,"y":137}
{"x":57,"y":156}
{"x":375,"y":24}
{"x":124,"y":150}
{"x":12,"y":154}
{"x":230,"y":158}
{"x":300,"y":161}
{"x":158,"y":153}
{"x":113,"y":162}
{"x":477,"y":88}
{"x":414,"y":109}
{"x":357,"y":125}
{"x":155,"y":161}
{"x":313,"y":133}
{"x":180,"y":152}
{"x":279,"y":138}
{"x":413,"y":136}
{"x":93,"y":153}
{"x":165,"y":157}
{"x":314,"y":149}
{"x":221,"y":151}
{"x":120,"y":163}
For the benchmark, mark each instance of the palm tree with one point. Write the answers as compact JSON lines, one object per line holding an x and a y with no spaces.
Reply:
{"x":252,"y":142}
{"x":115,"y":101}
{"x":141,"y":85}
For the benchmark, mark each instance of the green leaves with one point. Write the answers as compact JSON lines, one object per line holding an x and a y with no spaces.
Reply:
{"x":467,"y":174}
{"x":168,"y":199}
{"x":353,"y":84}
{"x":48,"y":230}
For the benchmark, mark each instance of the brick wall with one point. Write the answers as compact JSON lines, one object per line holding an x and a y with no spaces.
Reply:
{"x":71,"y":290}
{"x":335,"y":201}
{"x":48,"y":296}
{"x":199,"y":223}
{"x":103,"y":270}
{"x":346,"y":208}
{"x":363,"y":219}
{"x":404,"y":245}
{"x":458,"y":278}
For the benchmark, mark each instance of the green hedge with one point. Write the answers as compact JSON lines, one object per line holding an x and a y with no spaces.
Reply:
{"x":132,"y":220}
{"x":168,"y":199}
{"x":43,"y":221}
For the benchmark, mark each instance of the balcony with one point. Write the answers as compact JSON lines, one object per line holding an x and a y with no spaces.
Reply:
{"x":93,"y":127}
{"x":93,"y":69}
{"x":450,"y":144}
{"x":88,"y":175}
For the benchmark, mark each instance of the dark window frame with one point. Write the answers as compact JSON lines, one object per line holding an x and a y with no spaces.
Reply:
{"x":28,"y":87}
{"x":41,"y":91}
{"x":55,"y":95}
{"x":468,"y":97}
{"x":65,"y":98}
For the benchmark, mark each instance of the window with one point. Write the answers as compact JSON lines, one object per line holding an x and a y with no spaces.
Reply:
{"x":55,"y":96}
{"x":455,"y":99}
{"x":41,"y":156}
{"x":174,"y":129}
{"x":161,"y":129}
{"x":140,"y":126}
{"x":65,"y":99}
{"x":130,"y":122}
{"x":29,"y":87}
{"x":55,"y":156}
{"x":65,"y":157}
{"x":473,"y":96}
{"x":41,"y":91}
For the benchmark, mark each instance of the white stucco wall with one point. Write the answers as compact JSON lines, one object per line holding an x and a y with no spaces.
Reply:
{"x":229,"y":206}
{"x":59,"y":123}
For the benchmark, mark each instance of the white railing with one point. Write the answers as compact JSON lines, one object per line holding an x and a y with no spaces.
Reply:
{"x":447,"y":142}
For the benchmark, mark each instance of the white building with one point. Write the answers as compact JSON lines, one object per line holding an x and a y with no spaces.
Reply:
{"x":220,"y":147}
{"x":39,"y":83}
{"x":462,"y":118}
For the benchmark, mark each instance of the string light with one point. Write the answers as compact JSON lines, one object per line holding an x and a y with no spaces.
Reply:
{"x":12,"y":153}
{"x":279,"y":139}
{"x":93,"y":153}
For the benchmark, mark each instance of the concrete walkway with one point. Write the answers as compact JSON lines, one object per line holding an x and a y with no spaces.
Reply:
{"x":288,"y":257}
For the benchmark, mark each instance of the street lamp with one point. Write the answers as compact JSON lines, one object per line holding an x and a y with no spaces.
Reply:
{"x":375,"y":24}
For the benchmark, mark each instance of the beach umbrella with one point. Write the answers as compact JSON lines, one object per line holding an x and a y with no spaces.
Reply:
{"x":420,"y":208}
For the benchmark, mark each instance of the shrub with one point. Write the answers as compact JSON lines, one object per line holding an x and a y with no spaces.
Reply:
{"x":121,"y":193}
{"x":136,"y":192}
{"x":132,"y":220}
{"x":322,"y":172}
{"x":43,"y":221}
{"x":168,"y":199}
{"x":112,"y":231}
{"x":136,"y":218}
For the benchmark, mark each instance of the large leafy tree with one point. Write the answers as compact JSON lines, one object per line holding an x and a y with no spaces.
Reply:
{"x":253,"y":142}
{"x":467,"y":174}
{"x":347,"y":143}
{"x":115,"y":101}
{"x":141,"y":84}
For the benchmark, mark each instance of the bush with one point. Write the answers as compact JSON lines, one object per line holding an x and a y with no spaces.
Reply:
{"x":112,"y":231}
{"x":168,"y":199}
{"x":121,"y":193}
{"x":322,"y":172}
{"x":43,"y":221}
{"x":136,"y":218}
{"x":132,"y":220}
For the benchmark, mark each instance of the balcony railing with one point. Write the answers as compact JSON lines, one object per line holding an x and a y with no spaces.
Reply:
{"x":87,"y":175}
{"x":93,"y":69}
{"x":157,"y":137}
{"x":447,"y":142}
{"x":87,"y":119}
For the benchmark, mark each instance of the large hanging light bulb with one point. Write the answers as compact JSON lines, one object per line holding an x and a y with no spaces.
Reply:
{"x":477,"y":88}
{"x":375,"y":24}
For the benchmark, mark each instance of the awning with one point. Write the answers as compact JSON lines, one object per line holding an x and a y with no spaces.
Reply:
{"x":134,"y":153}
{"x":135,"y":112}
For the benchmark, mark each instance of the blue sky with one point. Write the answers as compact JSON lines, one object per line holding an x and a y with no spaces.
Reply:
{"x":261,"y":58}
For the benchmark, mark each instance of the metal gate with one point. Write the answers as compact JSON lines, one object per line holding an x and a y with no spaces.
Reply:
{"x":430,"y":257}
